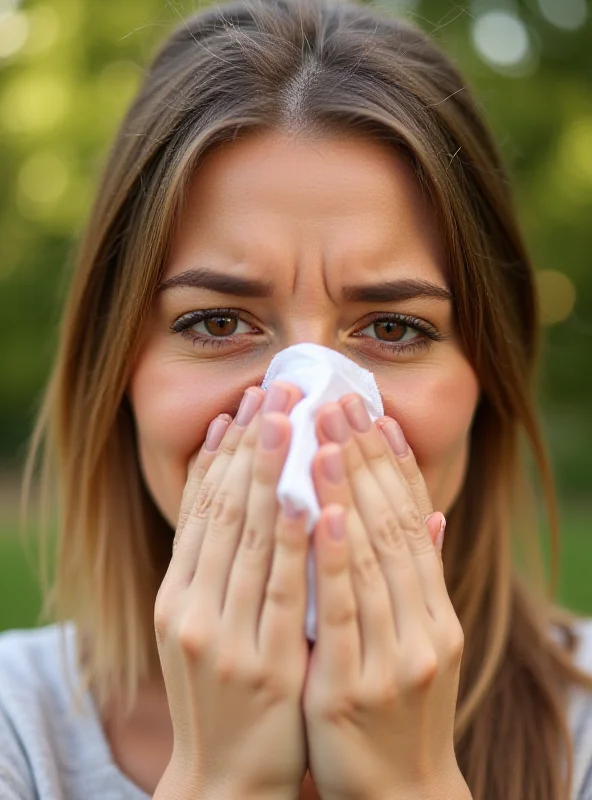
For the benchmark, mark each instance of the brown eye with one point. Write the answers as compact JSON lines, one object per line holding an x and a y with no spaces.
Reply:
{"x":221,"y":326}
{"x":390,"y":330}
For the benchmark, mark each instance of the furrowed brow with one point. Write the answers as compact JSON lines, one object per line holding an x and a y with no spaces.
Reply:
{"x":390,"y":291}
{"x":217,"y":282}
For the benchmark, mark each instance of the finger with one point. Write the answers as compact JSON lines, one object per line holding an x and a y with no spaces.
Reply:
{"x":384,"y":443}
{"x":333,"y":423}
{"x":198,"y":466}
{"x":385,"y":449}
{"x":281,"y":396}
{"x":384,"y":466}
{"x":224,"y":527}
{"x":393,"y":433}
{"x":185,"y":548}
{"x":384,"y":536}
{"x":375,"y":614}
{"x":397,"y":532}
{"x":252,"y":562}
{"x":281,"y":629}
{"x":190,"y":536}
{"x":338,"y":646}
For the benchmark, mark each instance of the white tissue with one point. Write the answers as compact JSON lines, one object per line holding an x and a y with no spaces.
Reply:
{"x":323,"y":375}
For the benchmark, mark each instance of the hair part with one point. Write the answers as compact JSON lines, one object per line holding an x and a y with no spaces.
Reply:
{"x":313,"y":69}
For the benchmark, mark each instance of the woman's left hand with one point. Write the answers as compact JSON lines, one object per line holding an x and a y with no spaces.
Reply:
{"x":381,"y":689}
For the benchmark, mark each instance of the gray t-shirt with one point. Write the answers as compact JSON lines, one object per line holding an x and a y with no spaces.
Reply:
{"x":48,"y":753}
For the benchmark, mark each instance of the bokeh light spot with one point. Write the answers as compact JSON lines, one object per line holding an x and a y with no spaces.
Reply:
{"x":117,"y":83}
{"x":557,"y":295}
{"x":575,"y":151}
{"x":7,"y":7}
{"x":44,"y":29}
{"x":501,"y":38}
{"x":14,"y":30}
{"x":34,"y":103}
{"x":567,"y":14}
{"x":43,"y":178}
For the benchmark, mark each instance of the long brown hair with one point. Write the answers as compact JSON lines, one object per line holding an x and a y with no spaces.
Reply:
{"x":315,"y":68}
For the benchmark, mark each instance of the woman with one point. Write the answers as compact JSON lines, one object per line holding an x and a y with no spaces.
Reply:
{"x":290,"y":173}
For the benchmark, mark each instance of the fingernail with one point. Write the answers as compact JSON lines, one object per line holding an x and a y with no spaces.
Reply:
{"x":357,"y":415}
{"x":216,"y":431}
{"x":440,"y":536}
{"x":332,"y":464}
{"x":335,"y":425}
{"x":272,"y":432}
{"x":395,"y":437}
{"x":276,"y":398}
{"x":336,"y":525}
{"x":248,"y":407}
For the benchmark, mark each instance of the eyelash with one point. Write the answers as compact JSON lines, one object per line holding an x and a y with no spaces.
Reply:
{"x":184,"y":324}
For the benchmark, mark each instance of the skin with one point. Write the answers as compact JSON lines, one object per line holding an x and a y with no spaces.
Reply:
{"x":250,"y":212}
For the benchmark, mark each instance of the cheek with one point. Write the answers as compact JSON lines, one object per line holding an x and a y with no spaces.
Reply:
{"x":173,"y":407}
{"x":435,"y":408}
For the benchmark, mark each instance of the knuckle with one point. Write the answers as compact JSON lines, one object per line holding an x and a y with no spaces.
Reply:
{"x":254,"y":542}
{"x":286,"y":542}
{"x":232,"y":667}
{"x":384,"y":692}
{"x":388,"y":533}
{"x":225,"y":508}
{"x":413,"y":529}
{"x":266,"y":471}
{"x":227,"y":448}
{"x":409,"y":518}
{"x":378,"y":458}
{"x":366,"y":570}
{"x":455,"y":642}
{"x":354,"y":458}
{"x":193,"y":639}
{"x":415,"y":478}
{"x":162,"y":616}
{"x":334,"y":710}
{"x":268,"y":684}
{"x":252,"y":539}
{"x":422,"y":670}
{"x":227,"y":666}
{"x":279,"y":595}
{"x":203,"y":501}
{"x":341,"y":616}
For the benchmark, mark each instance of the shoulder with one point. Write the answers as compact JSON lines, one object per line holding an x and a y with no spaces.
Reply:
{"x":33,"y":669}
{"x":50,"y":745}
{"x":28,"y":692}
{"x":32,"y":652}
{"x":580,"y":713}
{"x":584,"y":652}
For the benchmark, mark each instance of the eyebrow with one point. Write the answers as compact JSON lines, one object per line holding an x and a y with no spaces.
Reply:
{"x":217,"y":282}
{"x":385,"y":292}
{"x":390,"y":291}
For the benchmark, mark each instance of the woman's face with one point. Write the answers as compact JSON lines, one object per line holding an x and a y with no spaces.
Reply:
{"x":327,"y":241}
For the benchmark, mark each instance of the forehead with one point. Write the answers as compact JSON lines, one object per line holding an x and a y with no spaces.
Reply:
{"x":349,"y":205}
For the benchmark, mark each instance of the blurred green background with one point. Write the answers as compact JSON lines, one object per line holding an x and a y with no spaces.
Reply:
{"x":69,"y":67}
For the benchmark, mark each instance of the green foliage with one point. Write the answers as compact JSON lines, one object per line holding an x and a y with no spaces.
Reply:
{"x":76,"y":65}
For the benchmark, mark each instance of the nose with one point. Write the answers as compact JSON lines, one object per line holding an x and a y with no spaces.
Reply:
{"x":311,"y":327}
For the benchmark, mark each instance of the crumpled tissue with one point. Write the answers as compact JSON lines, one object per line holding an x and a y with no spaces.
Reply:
{"x":323,"y":375}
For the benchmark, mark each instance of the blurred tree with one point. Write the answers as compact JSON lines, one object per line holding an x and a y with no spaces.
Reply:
{"x":68,"y":69}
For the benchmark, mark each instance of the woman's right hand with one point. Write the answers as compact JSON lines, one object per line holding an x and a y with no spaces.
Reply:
{"x":229,"y":616}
